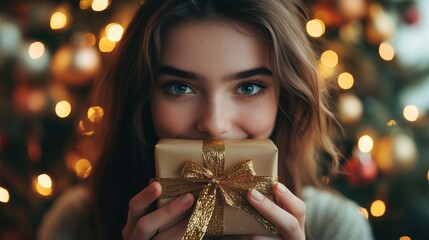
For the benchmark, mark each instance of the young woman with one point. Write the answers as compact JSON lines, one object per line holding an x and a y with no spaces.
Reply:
{"x":213,"y":69}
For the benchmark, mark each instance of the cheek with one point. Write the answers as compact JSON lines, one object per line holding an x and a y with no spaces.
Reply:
{"x":259,"y":120}
{"x":170,"y":120}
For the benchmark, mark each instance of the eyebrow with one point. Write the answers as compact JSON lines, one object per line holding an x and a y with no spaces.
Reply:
{"x":169,"y":70}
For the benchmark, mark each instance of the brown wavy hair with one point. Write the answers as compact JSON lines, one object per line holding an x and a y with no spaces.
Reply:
{"x":126,"y":137}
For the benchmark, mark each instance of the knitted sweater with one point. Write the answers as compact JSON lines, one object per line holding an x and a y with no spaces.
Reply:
{"x":329,"y":217}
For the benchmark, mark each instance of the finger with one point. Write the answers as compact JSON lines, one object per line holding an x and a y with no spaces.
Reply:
{"x":290,"y":202}
{"x":147,"y":226}
{"x":174,"y":232}
{"x":287,"y":225}
{"x":138,"y":205}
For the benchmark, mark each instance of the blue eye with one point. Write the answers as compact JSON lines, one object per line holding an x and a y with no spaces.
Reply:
{"x":178,"y":89}
{"x":249,"y":89}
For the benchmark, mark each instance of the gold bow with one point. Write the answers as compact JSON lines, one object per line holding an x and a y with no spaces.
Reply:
{"x":215,"y":187}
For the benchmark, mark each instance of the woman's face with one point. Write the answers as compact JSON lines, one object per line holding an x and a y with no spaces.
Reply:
{"x":214,"y":82}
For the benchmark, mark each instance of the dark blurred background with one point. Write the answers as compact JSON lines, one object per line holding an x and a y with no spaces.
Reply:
{"x":373,"y":55}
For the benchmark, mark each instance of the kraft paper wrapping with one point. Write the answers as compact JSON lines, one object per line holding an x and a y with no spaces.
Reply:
{"x":172,"y":154}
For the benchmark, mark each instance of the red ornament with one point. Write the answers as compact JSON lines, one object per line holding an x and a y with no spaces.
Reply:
{"x":360,"y":172}
{"x":411,"y":15}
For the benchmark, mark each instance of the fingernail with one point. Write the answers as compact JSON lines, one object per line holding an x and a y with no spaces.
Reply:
{"x":281,"y":188}
{"x":256,"y":195}
{"x":185,"y":199}
{"x":151,"y":180}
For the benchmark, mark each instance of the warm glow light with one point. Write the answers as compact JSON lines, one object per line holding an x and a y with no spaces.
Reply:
{"x":43,"y":185}
{"x":325,"y":71}
{"x":36,"y":50}
{"x":87,"y":40}
{"x":365,"y":143}
{"x":114,"y":32}
{"x":345,"y":80}
{"x":85,"y":4}
{"x":315,"y":28}
{"x":83,"y":168}
{"x":428,"y":175}
{"x":391,"y":123}
{"x":386,"y":51}
{"x":63,"y":109}
{"x":36,"y":101}
{"x":404,"y":238}
{"x":4,"y":195}
{"x":44,"y":180}
{"x":378,"y":208}
{"x":364,"y":212}
{"x":99,"y":5}
{"x":105,"y":45}
{"x":411,"y":113}
{"x":85,"y":130}
{"x":86,"y":58}
{"x":329,"y":58}
{"x":95,"y":114}
{"x":58,"y":20}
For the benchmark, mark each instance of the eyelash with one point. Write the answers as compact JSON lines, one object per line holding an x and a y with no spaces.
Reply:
{"x":260,"y":84}
{"x":257,"y":83}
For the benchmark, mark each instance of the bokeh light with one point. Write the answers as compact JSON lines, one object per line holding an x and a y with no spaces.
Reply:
{"x":378,"y":208}
{"x":411,"y":113}
{"x":386,"y":51}
{"x":58,"y":20}
{"x":63,"y":109}
{"x":43,"y":185}
{"x":114,"y":32}
{"x":99,"y":5}
{"x":4,"y":195}
{"x":315,"y":28}
{"x":83,"y":168}
{"x":329,"y":58}
{"x":404,"y":238}
{"x":365,"y":144}
{"x":105,"y":45}
{"x":345,"y":80}
{"x":95,"y":114}
{"x":36,"y":50}
{"x":87,"y":40}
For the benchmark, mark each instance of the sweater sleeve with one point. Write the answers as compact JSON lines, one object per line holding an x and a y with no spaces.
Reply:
{"x":331,"y":216}
{"x":68,"y":218}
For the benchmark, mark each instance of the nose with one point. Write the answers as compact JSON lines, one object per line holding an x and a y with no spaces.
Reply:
{"x":214,"y":119}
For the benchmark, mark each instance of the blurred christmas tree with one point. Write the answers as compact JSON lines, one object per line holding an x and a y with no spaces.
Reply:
{"x":372,"y":53}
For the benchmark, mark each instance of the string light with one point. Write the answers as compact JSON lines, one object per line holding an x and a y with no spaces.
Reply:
{"x":86,"y":58}
{"x":378,"y":208}
{"x":63,"y":109}
{"x":85,"y":4}
{"x":329,"y":58}
{"x":411,"y":113}
{"x":95,"y":114}
{"x":428,"y":175}
{"x":114,"y":32}
{"x":404,"y":238}
{"x":391,"y":123}
{"x":105,"y":45}
{"x":58,"y":20}
{"x":43,"y":185}
{"x":83,"y":168}
{"x":4,"y":195}
{"x":99,"y":5}
{"x":365,"y":144}
{"x":36,"y":50}
{"x":386,"y":51}
{"x":345,"y":80}
{"x":36,"y":101}
{"x":85,"y":129}
{"x":315,"y":28}
{"x":87,"y":40}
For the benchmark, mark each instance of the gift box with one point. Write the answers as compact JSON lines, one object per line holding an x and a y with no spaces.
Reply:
{"x":219,"y":173}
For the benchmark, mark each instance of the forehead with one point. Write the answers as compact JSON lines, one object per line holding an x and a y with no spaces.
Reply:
{"x":214,"y":43}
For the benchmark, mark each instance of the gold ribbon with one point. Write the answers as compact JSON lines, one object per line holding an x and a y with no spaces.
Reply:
{"x":216,"y":187}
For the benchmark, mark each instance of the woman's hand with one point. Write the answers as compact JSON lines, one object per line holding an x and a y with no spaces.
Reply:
{"x":142,"y":225}
{"x":288,"y":216}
